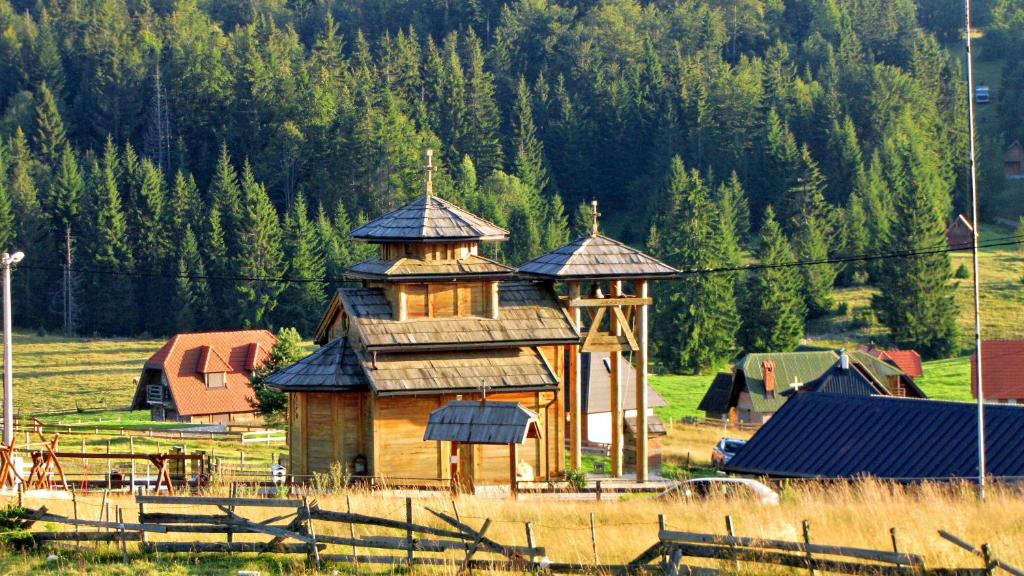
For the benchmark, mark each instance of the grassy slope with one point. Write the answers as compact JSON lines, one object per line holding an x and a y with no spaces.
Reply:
{"x":56,"y":373}
{"x":1002,"y":300}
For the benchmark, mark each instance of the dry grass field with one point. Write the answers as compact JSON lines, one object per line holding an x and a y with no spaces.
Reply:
{"x":854,"y":515}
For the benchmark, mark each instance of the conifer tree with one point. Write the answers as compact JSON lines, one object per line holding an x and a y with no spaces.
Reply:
{"x":65,"y":192}
{"x":482,"y":139}
{"x":528,"y":150}
{"x":218,"y":266}
{"x":7,"y":232}
{"x":336,"y":257}
{"x":109,"y":298}
{"x":916,"y":299}
{"x":192,"y":299}
{"x":779,"y":164}
{"x":31,"y":229}
{"x":701,"y":317}
{"x":805,"y":200}
{"x":261,"y":258}
{"x":225,"y":196}
{"x":819,"y":279}
{"x":773,"y":319}
{"x":152,"y":246}
{"x":734,"y":208}
{"x":556,"y":228}
{"x":50,"y":137}
{"x":582,"y":220}
{"x":186,"y":206}
{"x":524,"y":237}
{"x":304,"y":296}
{"x":846,"y":161}
{"x":858,"y":241}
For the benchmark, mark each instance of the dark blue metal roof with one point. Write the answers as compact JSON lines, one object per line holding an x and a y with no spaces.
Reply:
{"x":825,"y":435}
{"x":837,"y":380}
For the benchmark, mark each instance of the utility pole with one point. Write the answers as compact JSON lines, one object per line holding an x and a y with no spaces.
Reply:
{"x":974,"y":252}
{"x":6,"y":261}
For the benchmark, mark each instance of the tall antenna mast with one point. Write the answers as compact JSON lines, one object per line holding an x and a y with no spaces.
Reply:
{"x":974,"y":254}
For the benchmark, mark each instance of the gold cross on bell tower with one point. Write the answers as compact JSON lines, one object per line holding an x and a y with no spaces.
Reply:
{"x":594,"y":214}
{"x":430,"y":171}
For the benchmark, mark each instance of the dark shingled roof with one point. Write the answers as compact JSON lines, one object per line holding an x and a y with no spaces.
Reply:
{"x":596,"y":256}
{"x":836,"y":380}
{"x":529,"y":313}
{"x":837,"y":436}
{"x":428,"y":219}
{"x":789,"y":367}
{"x":335,"y":367}
{"x":472,"y":266}
{"x":459,"y":371}
{"x":716,"y":399}
{"x":473,"y":422}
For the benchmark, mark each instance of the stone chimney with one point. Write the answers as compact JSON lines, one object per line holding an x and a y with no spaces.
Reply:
{"x":844,"y":360}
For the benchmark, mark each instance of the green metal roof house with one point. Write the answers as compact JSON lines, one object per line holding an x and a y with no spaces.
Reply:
{"x":760,"y":381}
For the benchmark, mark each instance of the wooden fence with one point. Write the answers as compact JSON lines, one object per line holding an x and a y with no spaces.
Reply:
{"x":451,"y":541}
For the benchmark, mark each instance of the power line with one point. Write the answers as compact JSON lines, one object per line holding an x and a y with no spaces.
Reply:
{"x":993,"y":243}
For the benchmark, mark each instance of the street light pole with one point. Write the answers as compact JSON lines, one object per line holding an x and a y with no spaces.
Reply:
{"x":6,"y":261}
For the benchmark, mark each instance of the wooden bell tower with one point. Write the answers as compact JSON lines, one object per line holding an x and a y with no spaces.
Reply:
{"x":608,"y":301}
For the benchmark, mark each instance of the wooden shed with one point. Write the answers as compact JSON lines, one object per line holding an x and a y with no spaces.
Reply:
{"x":960,"y":234}
{"x":432,"y":322}
{"x":1013,"y":161}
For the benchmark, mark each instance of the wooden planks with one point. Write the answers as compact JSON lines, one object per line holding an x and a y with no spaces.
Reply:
{"x":215,"y":501}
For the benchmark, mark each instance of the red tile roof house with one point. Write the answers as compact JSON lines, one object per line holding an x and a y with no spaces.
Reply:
{"x":1003,"y":362}
{"x":203,"y":377}
{"x":907,"y":360}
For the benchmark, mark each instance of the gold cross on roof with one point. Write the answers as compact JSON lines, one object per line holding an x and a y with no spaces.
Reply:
{"x":430,"y":169}
{"x":594,"y":214}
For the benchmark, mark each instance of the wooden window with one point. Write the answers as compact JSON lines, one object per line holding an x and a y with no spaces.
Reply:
{"x":416,"y":300}
{"x":442,"y":301}
{"x":216,"y":380}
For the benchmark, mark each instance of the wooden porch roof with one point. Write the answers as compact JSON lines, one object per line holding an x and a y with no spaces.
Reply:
{"x":475,"y":422}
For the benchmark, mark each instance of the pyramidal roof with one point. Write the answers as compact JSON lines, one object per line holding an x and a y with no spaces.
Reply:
{"x":429,"y":219}
{"x":596,"y":256}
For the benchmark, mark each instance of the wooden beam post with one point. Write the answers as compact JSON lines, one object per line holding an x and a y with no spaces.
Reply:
{"x":513,"y":457}
{"x":615,"y":391}
{"x":575,"y":390}
{"x":641,"y":384}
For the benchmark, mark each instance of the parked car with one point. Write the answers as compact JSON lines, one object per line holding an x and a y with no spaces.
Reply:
{"x":981,"y":95}
{"x":703,"y":488}
{"x":725,"y":450}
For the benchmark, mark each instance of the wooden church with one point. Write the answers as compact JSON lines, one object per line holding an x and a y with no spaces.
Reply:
{"x":435,"y":323}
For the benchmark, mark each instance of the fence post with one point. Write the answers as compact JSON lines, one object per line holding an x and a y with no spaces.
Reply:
{"x":598,"y":491}
{"x":732,"y":542}
{"x":986,"y":553}
{"x":314,"y":552}
{"x":895,"y":546}
{"x":408,"y":533}
{"x":131,"y":449}
{"x":74,"y":511}
{"x":661,"y":528}
{"x":530,"y":542}
{"x":142,"y":514}
{"x":124,"y":544}
{"x":351,"y":527}
{"x":593,"y":537}
{"x":807,"y":541}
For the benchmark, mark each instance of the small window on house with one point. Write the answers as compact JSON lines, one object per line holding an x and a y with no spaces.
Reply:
{"x":216,"y":380}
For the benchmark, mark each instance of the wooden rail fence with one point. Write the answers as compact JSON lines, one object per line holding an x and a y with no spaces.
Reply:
{"x":453,"y":542}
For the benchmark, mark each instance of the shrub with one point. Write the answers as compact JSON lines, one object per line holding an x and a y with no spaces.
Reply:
{"x":862,"y":318}
{"x":962,"y":272}
{"x":843,"y":308}
{"x":577,"y":478}
{"x":12,"y":528}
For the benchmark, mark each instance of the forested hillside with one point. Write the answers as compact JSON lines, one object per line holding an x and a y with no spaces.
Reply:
{"x":190,"y":151}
